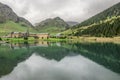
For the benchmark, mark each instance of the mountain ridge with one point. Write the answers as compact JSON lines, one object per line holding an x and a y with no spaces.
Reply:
{"x":72,"y":23}
{"x":103,"y":24}
{"x":52,"y":25}
{"x":111,"y":11}
{"x":6,"y":13}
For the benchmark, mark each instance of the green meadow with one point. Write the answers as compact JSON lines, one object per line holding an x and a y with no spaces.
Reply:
{"x":10,"y":26}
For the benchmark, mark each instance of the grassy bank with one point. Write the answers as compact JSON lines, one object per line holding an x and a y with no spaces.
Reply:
{"x":30,"y":39}
{"x":71,"y":38}
{"x":96,"y":39}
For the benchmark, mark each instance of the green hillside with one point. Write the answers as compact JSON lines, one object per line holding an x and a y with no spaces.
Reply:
{"x":51,"y":29}
{"x":50,"y":25}
{"x":104,"y":24}
{"x":107,"y":28}
{"x":11,"y":26}
{"x":108,"y":13}
{"x":10,"y":22}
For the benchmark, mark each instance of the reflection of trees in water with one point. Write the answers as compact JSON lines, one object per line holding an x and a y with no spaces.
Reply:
{"x":9,"y":58}
{"x":6,"y":66}
{"x":52,"y":52}
{"x":106,"y":54}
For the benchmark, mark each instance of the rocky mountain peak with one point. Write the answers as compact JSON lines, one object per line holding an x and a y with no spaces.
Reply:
{"x":6,"y":13}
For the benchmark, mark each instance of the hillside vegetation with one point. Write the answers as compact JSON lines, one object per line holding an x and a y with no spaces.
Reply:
{"x":50,"y":25}
{"x":107,"y":28}
{"x":104,"y":24}
{"x":6,"y":13}
{"x":108,"y":13}
{"x":10,"y":26}
{"x":10,"y":22}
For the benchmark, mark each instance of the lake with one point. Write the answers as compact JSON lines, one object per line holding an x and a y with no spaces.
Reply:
{"x":59,"y":61}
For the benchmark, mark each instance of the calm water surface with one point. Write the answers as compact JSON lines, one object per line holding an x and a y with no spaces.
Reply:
{"x":60,"y":61}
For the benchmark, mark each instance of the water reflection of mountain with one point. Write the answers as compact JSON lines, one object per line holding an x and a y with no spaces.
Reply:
{"x":11,"y":56}
{"x":106,"y":54}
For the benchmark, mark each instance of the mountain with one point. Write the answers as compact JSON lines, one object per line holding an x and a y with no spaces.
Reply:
{"x":112,"y":11}
{"x":72,"y":23}
{"x":106,"y":28}
{"x":50,"y":25}
{"x":10,"y":26}
{"x":10,"y":22}
{"x":7,"y":14}
{"x":104,"y":24}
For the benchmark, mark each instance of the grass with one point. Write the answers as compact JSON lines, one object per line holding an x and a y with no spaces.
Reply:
{"x":31,"y":40}
{"x":10,"y":26}
{"x":96,"y":39}
{"x":20,"y":40}
{"x":51,"y":29}
{"x":73,"y":31}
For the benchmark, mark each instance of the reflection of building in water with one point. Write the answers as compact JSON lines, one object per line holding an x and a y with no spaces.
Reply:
{"x":42,"y":43}
{"x":27,"y":45}
{"x":25,"y":34}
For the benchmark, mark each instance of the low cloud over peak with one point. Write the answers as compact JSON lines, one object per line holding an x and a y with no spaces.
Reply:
{"x":70,"y":10}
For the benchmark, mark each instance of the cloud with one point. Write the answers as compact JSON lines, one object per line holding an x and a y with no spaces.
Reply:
{"x":70,"y":10}
{"x":69,"y":68}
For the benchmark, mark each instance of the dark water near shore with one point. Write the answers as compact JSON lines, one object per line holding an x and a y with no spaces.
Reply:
{"x":59,"y":61}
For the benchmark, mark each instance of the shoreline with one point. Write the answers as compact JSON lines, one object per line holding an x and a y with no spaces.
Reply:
{"x":73,"y":39}
{"x":97,"y":39}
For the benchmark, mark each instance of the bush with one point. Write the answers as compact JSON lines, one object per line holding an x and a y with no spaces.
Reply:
{"x":0,"y":39}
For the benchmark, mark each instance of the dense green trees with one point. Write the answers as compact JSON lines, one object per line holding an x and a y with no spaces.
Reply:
{"x":107,"y":28}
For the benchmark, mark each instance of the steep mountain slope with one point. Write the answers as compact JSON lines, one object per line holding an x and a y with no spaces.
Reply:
{"x":9,"y":21}
{"x":112,"y":11}
{"x":104,"y":24}
{"x":7,"y":14}
{"x":54,"y":25}
{"x":107,"y":28}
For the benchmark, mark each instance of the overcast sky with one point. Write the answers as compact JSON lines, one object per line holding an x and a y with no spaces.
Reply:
{"x":69,"y":10}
